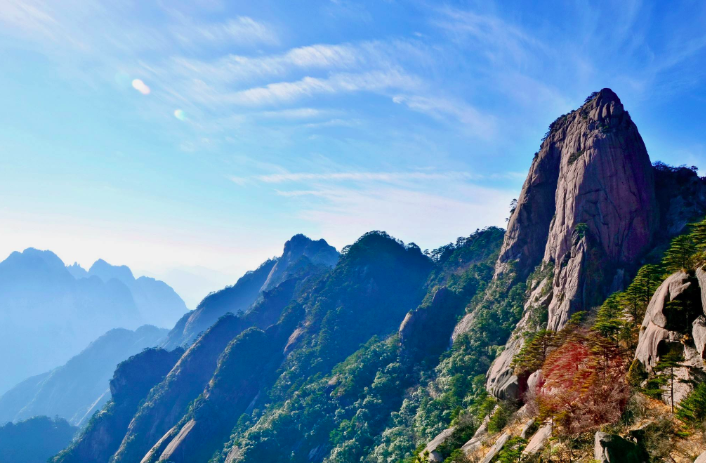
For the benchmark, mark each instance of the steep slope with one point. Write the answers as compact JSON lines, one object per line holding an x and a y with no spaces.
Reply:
{"x":130,"y":384}
{"x":77,"y":389}
{"x":157,"y":302}
{"x":34,"y":440}
{"x":48,"y":316}
{"x":299,"y":251}
{"x":169,"y":401}
{"x":234,"y":299}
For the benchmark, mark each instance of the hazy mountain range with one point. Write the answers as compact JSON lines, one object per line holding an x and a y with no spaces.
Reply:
{"x":51,"y":312}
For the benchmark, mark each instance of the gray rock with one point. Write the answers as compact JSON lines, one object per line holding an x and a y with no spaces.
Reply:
{"x":539,"y":440}
{"x":654,"y":333}
{"x":475,"y":442}
{"x":609,"y":448}
{"x":431,"y":447}
{"x":496,"y":448}
{"x":524,"y":434}
{"x":698,"y":331}
{"x":701,"y":458}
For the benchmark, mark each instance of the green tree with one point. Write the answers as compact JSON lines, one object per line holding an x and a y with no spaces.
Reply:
{"x":666,"y":367}
{"x":680,"y":255}
{"x":692,"y":409}
{"x":533,"y":354}
{"x":609,"y":322}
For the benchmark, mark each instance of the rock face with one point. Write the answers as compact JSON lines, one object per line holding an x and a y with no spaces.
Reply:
{"x":589,"y":208}
{"x":430,"y":449}
{"x":610,"y":448}
{"x":663,"y":321}
{"x":538,"y":440}
{"x":592,"y":169}
{"x":317,"y":252}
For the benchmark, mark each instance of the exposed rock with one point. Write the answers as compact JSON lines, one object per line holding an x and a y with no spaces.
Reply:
{"x":539,"y":440}
{"x":476,"y":441}
{"x":698,"y":332}
{"x":299,"y":246}
{"x":524,"y":434}
{"x":701,"y":458}
{"x":496,"y":448}
{"x":501,"y":381}
{"x":592,"y":169}
{"x":660,"y":322}
{"x":609,"y":448}
{"x":431,"y":447}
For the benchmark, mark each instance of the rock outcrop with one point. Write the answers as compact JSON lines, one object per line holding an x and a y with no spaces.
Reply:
{"x":667,"y":315}
{"x":430,"y":450}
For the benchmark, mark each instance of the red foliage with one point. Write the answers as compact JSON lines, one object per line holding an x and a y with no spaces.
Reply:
{"x":583,"y":384}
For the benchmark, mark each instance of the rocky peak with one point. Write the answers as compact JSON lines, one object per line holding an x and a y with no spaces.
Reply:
{"x":590,"y":190}
{"x":318,"y":252}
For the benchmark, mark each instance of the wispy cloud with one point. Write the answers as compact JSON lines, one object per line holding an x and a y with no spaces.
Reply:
{"x":366,"y":176}
{"x":285,"y":92}
{"x":482,"y":125}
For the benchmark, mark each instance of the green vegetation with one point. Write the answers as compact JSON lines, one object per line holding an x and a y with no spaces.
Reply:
{"x":692,"y":410}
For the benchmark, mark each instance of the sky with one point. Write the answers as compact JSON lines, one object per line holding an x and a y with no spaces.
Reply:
{"x":190,"y":139}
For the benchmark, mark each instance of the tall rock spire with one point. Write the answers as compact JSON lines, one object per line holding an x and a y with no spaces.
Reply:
{"x":588,"y":205}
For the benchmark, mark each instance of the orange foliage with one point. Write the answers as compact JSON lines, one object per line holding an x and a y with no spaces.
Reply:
{"x":583,"y":384}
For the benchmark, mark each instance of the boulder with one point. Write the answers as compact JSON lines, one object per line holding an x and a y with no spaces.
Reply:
{"x":698,"y":331}
{"x":657,"y":331}
{"x":609,"y":448}
{"x":701,"y":458}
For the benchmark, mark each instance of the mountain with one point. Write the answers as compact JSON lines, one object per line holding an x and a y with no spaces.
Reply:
{"x":157,"y":302}
{"x":34,"y":440}
{"x":79,"y":388}
{"x":577,"y":335}
{"x":50,"y":312}
{"x":299,"y":252}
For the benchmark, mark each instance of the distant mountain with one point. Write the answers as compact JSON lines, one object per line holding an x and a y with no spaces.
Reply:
{"x":299,"y":252}
{"x":47,"y":315}
{"x":157,"y":302}
{"x":77,"y":389}
{"x":34,"y":440}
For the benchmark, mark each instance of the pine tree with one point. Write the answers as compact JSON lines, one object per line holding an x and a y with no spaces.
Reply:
{"x":609,"y":321}
{"x":665,"y":370}
{"x":534,"y":352}
{"x":680,"y":255}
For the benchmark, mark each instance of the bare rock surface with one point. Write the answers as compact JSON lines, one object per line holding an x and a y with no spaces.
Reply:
{"x":657,"y":332}
{"x":431,"y":447}
{"x":539,"y":440}
{"x":701,"y":458}
{"x":496,"y":448}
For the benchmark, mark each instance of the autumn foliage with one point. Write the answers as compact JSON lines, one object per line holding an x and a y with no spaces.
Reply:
{"x":583,"y":384}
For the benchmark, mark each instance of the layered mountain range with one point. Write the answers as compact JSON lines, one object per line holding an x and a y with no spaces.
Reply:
{"x":471,"y":352}
{"x":49,"y":315}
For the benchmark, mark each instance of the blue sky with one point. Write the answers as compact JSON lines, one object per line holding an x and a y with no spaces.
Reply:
{"x":190,"y":139}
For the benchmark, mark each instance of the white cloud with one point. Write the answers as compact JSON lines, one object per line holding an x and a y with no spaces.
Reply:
{"x":366,"y":176}
{"x":284,"y":92}
{"x":241,"y":30}
{"x":482,"y":125}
